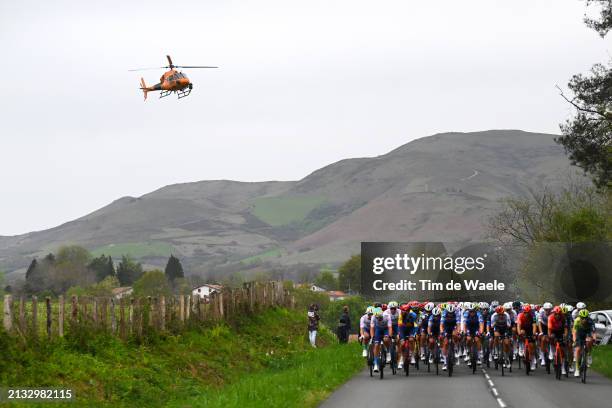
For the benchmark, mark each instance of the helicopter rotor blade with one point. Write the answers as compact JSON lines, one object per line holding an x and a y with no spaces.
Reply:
{"x":193,"y":66}
{"x":146,"y":69}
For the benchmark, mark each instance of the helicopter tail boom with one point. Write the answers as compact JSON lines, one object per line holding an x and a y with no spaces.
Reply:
{"x":143,"y":86}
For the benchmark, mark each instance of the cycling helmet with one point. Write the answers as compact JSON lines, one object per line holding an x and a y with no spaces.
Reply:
{"x":436,"y":311}
{"x":377,"y":304}
{"x":392,"y":305}
{"x":527,"y":309}
{"x":499,"y":310}
{"x":483,"y":305}
{"x":557,"y":310}
{"x":569,"y":307}
{"x":470,"y":306}
{"x":405,"y":307}
{"x":580,"y":305}
{"x":583,"y":313}
{"x":516,"y":304}
{"x":429,"y":307}
{"x":547,"y":306}
{"x":369,"y":310}
{"x":450,"y":308}
{"x":508,"y":305}
{"x":378,"y":312}
{"x":461,"y":305}
{"x":494,"y":304}
{"x":384,"y":307}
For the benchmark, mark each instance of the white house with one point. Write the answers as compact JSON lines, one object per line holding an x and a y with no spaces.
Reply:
{"x":122,"y":292}
{"x":205,"y":290}
{"x":316,"y":288}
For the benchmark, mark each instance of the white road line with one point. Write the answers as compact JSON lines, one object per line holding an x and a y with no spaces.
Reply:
{"x":494,"y":391}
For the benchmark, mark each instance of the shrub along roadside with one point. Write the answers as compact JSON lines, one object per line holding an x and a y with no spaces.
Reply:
{"x":102,"y":370}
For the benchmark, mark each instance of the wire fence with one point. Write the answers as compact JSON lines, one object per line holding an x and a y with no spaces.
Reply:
{"x":31,"y":317}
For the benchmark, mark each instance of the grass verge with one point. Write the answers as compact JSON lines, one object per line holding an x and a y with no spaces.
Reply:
{"x":266,"y":354}
{"x":602,"y":360}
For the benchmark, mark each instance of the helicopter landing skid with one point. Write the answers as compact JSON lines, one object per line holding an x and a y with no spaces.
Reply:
{"x":185,"y":92}
{"x":163,"y":94}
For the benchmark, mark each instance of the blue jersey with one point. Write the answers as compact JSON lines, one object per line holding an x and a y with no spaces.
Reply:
{"x":472,"y":320}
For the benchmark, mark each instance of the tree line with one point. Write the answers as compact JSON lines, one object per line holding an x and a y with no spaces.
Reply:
{"x":74,"y":270}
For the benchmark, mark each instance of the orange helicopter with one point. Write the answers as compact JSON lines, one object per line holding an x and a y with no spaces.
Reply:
{"x":171,"y":81}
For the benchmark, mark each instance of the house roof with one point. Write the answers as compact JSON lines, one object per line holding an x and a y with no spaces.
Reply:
{"x":210,"y":285}
{"x":122,"y":289}
{"x":336,"y":293}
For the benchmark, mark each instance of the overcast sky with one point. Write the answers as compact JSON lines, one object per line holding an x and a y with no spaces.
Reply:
{"x":300,"y":85}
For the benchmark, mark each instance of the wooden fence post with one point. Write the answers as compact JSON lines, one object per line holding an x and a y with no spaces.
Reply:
{"x":75,"y":309}
{"x":8,"y":315}
{"x":131,"y":316}
{"x":22,"y":321}
{"x":138,"y":307}
{"x":162,"y":313}
{"x":188,"y":308}
{"x":60,"y":317}
{"x":94,"y":311}
{"x":34,"y":316}
{"x":113,"y":317}
{"x":48,"y":302}
{"x":122,"y":318}
{"x":182,"y":308}
{"x":221,"y":304}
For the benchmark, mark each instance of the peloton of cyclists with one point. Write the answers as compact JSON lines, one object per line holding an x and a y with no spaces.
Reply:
{"x":515,"y":325}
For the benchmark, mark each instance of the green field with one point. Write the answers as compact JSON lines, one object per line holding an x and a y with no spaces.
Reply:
{"x":271,"y":253}
{"x":278,"y":211}
{"x":135,"y":249}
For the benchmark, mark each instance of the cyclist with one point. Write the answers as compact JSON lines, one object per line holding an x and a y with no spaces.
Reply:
{"x":380,"y":328}
{"x":515,"y":308}
{"x":557,"y":330}
{"x":433,"y":329}
{"x":393,"y":314}
{"x":526,"y":326}
{"x":501,"y":326}
{"x":407,"y":324}
{"x":579,"y":307}
{"x":423,"y":324}
{"x":472,"y":325}
{"x":544,"y":314}
{"x":583,"y":332}
{"x":449,"y":324}
{"x":364,"y":329}
{"x":567,"y":312}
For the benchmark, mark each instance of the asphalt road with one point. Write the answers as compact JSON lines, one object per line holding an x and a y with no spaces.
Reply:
{"x":464,"y":389}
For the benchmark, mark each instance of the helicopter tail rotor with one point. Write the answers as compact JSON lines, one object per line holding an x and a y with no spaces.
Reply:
{"x":171,"y":65}
{"x":143,"y":86}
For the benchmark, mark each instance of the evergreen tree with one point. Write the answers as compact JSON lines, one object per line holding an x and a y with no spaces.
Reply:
{"x":128,"y":271}
{"x":103,"y":267}
{"x":30,"y":271}
{"x":174,"y":269}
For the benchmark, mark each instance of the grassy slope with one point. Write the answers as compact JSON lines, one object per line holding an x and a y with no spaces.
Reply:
{"x":602,"y":360}
{"x":135,"y":249}
{"x":277,"y":211}
{"x":208,"y":365}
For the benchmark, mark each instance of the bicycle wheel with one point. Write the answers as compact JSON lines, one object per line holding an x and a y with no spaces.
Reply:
{"x":406,"y":353}
{"x":583,"y":364}
{"x":450,"y":358}
{"x":557,"y":365}
{"x":473,"y":356}
{"x":370,"y":361}
{"x":427,"y":356}
{"x":437,"y":357}
{"x":417,"y":354}
{"x":382,"y":361}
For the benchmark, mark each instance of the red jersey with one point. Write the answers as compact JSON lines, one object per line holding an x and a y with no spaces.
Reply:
{"x":525,"y":320}
{"x":556,"y":323}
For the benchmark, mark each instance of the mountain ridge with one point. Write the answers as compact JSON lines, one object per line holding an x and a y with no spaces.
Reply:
{"x":439,"y":186}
